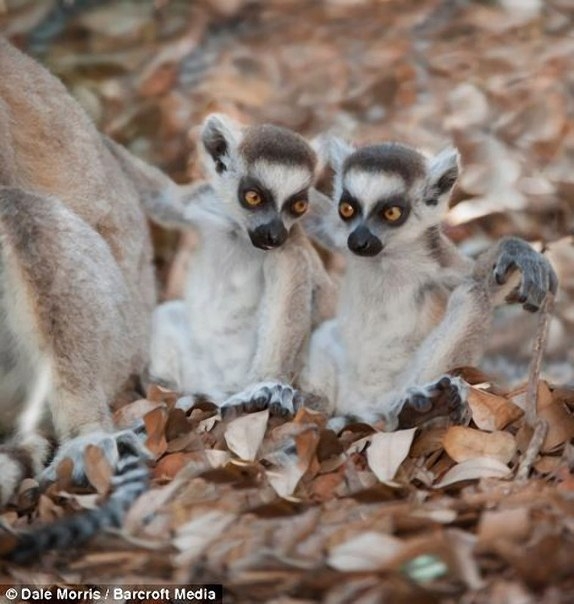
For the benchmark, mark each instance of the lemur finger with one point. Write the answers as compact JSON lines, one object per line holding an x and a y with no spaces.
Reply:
{"x":421,"y":403}
{"x":534,"y":287}
{"x":261,"y":399}
{"x":503,"y":267}
{"x":444,"y":383}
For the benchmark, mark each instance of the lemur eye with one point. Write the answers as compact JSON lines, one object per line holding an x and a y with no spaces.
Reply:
{"x":346,"y":210}
{"x":392,"y":214}
{"x":252,"y":198}
{"x":300,"y":206}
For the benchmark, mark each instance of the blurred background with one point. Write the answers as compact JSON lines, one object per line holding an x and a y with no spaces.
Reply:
{"x":496,"y":77}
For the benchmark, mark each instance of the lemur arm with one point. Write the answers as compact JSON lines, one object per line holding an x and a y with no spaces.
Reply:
{"x":285,"y":320}
{"x":509,"y":271}
{"x":164,"y":201}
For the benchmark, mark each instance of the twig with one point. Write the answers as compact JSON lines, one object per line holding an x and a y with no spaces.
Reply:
{"x":539,"y":425}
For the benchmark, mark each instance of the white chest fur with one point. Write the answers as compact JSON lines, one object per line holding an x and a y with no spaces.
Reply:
{"x":380,"y":322}
{"x":223,"y":297}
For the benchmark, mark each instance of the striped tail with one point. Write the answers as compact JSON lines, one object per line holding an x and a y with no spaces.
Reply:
{"x":130,"y":480}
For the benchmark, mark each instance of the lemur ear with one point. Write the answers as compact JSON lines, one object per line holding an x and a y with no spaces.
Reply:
{"x":332,"y":151}
{"x":220,"y":136}
{"x":443,"y":172}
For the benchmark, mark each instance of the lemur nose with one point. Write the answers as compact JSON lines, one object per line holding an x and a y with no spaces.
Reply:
{"x":363,"y":243}
{"x":269,"y":235}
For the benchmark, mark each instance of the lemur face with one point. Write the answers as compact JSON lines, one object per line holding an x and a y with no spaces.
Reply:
{"x":389,"y":194}
{"x":262,"y":174}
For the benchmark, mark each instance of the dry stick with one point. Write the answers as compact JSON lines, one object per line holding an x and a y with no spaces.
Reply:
{"x":539,"y":425}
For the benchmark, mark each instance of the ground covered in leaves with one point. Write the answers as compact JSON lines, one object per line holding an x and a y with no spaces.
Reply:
{"x":288,"y":511}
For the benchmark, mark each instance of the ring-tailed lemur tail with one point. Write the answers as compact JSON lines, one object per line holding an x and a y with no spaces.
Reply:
{"x":131,"y":478}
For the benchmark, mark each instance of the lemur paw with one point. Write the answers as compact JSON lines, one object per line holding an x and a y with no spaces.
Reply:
{"x":113,"y":445}
{"x":444,"y":399}
{"x":281,"y":399}
{"x":537,"y":275}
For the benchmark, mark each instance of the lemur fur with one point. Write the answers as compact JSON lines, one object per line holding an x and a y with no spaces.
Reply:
{"x":256,"y":286}
{"x":77,"y":287}
{"x":411,"y":307}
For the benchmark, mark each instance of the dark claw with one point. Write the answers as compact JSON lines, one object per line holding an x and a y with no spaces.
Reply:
{"x":522,"y":298}
{"x":421,"y":403}
{"x":443,"y":383}
{"x":276,"y":409}
{"x":531,"y":308}
{"x":454,"y":399}
{"x":262,"y":399}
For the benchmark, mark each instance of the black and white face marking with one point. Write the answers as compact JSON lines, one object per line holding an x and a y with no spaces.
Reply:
{"x":390,"y":194}
{"x":263,"y":174}
{"x":272,"y":197}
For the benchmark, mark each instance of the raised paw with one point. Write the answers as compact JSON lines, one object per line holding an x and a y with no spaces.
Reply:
{"x":114,"y":445}
{"x":281,"y":399}
{"x":444,"y":399}
{"x":537,"y":275}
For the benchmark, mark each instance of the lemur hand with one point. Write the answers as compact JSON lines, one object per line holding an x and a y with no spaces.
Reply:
{"x":538,"y":276}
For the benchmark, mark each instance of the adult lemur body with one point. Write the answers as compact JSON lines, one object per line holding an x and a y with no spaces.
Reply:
{"x":256,"y":286}
{"x":411,"y":306}
{"x":76,"y":281}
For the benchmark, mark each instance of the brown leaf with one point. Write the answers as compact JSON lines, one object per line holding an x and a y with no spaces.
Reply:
{"x":98,"y":469}
{"x":155,"y":422}
{"x":513,"y":524}
{"x":465,"y":443}
{"x":473,"y":469}
{"x":491,"y":412}
{"x":244,"y":435}
{"x":386,"y":452}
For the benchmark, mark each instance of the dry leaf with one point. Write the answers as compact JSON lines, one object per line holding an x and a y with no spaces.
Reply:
{"x":491,"y":412}
{"x":368,"y":551}
{"x":244,"y":435}
{"x":155,"y":422}
{"x":513,"y":524}
{"x":465,"y":443}
{"x":473,"y":469}
{"x":386,"y":452}
{"x":97,"y":468}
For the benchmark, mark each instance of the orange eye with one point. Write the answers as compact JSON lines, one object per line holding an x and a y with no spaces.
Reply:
{"x":346,"y":210}
{"x":252,"y":198}
{"x":393,"y":213}
{"x":300,"y":206}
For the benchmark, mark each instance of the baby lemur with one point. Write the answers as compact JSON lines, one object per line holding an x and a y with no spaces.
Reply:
{"x":256,"y":286}
{"x":76,"y":283}
{"x":411,"y":306}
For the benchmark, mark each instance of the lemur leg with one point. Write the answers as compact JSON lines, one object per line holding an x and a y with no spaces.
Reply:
{"x":324,"y":367}
{"x":64,"y":302}
{"x":459,"y":339}
{"x":170,"y":355}
{"x":283,"y":330}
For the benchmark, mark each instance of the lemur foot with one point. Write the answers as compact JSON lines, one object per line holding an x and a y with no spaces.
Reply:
{"x":445,"y":398}
{"x":281,"y":399}
{"x":113,"y":445}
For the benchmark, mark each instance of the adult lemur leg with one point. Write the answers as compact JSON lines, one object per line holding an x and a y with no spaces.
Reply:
{"x":61,"y":308}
